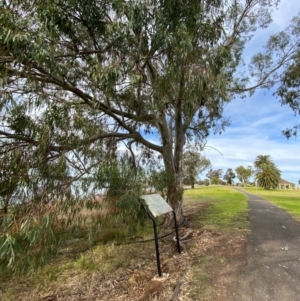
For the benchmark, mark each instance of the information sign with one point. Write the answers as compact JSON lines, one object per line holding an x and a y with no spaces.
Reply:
{"x":156,"y":204}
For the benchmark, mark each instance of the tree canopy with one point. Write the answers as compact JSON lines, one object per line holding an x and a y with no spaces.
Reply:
{"x":267,"y":174}
{"x":284,"y":45}
{"x":289,"y":91}
{"x":229,"y":176}
{"x":80,"y":76}
{"x":193,"y":165}
{"x":262,"y":159}
{"x":214,"y":174}
{"x":244,"y":173}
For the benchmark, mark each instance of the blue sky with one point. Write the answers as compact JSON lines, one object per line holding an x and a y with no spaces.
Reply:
{"x":257,"y":122}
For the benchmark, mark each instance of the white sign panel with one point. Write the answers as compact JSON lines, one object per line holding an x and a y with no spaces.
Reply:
{"x":156,"y":204}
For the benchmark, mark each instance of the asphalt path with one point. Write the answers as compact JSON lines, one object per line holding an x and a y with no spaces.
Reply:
{"x":271,"y":268}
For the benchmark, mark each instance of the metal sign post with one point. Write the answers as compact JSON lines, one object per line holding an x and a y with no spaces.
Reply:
{"x":155,"y":206}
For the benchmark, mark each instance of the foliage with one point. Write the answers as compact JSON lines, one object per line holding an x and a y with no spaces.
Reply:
{"x":92,"y":269}
{"x":124,"y":182}
{"x":78,"y":77}
{"x":214,"y":174}
{"x":289,"y":90}
{"x":262,"y":159}
{"x":204,"y":182}
{"x":268,"y":176}
{"x":244,"y":174}
{"x":214,"y":181}
{"x":159,"y":179}
{"x":283,"y":46}
{"x":32,"y":232}
{"x":221,"y":182}
{"x":193,"y":165}
{"x":229,"y":176}
{"x":28,"y":241}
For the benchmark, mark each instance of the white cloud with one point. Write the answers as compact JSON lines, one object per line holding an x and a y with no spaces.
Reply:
{"x":243,"y":149}
{"x":268,"y":120}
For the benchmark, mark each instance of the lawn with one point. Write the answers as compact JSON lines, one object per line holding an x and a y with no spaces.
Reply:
{"x":227,"y":209}
{"x":288,"y":200}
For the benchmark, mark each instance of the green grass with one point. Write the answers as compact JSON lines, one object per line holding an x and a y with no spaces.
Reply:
{"x":288,"y":200}
{"x":227,"y":209}
{"x":215,"y":208}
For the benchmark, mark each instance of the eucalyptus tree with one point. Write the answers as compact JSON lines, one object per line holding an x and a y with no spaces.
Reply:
{"x":243,"y":173}
{"x":229,"y":176}
{"x":80,"y":76}
{"x":214,"y":174}
{"x":193,"y":165}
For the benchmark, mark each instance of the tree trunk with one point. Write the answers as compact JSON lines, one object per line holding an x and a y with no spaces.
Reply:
{"x":174,"y":198}
{"x":173,"y":161}
{"x":175,"y":189}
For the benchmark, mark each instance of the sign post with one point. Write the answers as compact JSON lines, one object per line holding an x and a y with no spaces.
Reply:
{"x":155,"y":206}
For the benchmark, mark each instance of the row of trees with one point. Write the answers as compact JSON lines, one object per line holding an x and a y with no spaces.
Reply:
{"x":266,"y":173}
{"x":241,"y":173}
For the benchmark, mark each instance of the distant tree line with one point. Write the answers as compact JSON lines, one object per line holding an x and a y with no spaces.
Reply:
{"x":265,"y":172}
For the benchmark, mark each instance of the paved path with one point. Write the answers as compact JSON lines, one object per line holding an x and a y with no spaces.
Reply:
{"x":271,"y":270}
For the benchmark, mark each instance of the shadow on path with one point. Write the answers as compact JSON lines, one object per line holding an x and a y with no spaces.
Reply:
{"x":271,"y":269}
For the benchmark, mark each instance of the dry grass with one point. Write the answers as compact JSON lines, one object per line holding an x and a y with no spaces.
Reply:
{"x":129,"y":272}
